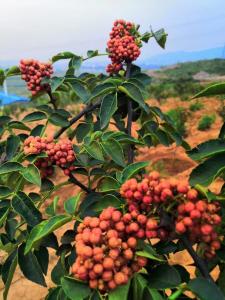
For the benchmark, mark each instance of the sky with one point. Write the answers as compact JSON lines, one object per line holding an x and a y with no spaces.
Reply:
{"x":42,"y":28}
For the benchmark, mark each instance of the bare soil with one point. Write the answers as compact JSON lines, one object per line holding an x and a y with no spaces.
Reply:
{"x":170,"y":161}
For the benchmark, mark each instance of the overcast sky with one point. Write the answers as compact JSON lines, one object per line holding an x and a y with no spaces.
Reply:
{"x":41,"y":28}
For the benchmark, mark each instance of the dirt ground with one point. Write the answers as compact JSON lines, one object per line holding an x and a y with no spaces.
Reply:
{"x":170,"y":161}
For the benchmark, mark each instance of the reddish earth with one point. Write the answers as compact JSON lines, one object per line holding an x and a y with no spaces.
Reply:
{"x":170,"y":161}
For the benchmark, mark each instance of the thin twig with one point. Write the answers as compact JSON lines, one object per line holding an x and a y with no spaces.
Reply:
{"x":199,"y":262}
{"x":81,"y":185}
{"x":52,"y":99}
{"x":85,"y":111}
{"x":129,"y":120}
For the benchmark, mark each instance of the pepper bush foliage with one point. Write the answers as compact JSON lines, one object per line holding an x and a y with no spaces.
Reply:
{"x":125,"y":223}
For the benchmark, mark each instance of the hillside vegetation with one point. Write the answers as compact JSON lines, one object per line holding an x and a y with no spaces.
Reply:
{"x":213,"y":66}
{"x":185,"y":79}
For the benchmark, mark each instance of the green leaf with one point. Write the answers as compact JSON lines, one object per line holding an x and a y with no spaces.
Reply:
{"x":207,"y":149}
{"x":108,"y":184}
{"x":171,"y":131}
{"x":18,"y":125}
{"x":51,"y":209}
{"x":5,"y":191}
{"x":92,"y":53}
{"x":37,"y":131}
{"x":30,"y":267}
{"x":152,"y":294}
{"x":42,"y":256}
{"x":107,"y":109}
{"x":208,"y":171}
{"x":75,"y":62}
{"x":62,"y":55}
{"x":139,"y":284}
{"x":82,"y":130}
{"x":25,"y":207}
{"x":80,"y":89}
{"x":125,"y":138}
{"x":47,"y":185}
{"x":184,"y":274}
{"x":146,"y":36}
{"x":10,"y":167}
{"x":71,"y":204}
{"x":106,"y":200}
{"x":222,"y":132}
{"x":205,"y":289}
{"x":55,"y":83}
{"x":13,"y":71}
{"x":148,"y":255}
{"x":212,"y":90}
{"x":101,"y":90}
{"x":146,"y":250}
{"x":132,"y":169}
{"x":132,"y":91}
{"x":2,"y":77}
{"x":74,"y":289}
{"x":144,"y":78}
{"x":10,"y":269}
{"x":160,"y":37}
{"x":138,"y":83}
{"x":53,"y":293}
{"x":45,"y":228}
{"x":94,"y":149}
{"x":121,"y":292}
{"x":163,"y":277}
{"x":12,"y":145}
{"x":32,"y":174}
{"x":34,"y":116}
{"x":4,"y":120}
{"x":58,"y":271}
{"x":58,"y":120}
{"x":85,"y":205}
{"x":3,"y":215}
{"x":113,"y":149}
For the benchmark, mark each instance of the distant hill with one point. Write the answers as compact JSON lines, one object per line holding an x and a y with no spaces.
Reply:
{"x":170,"y":58}
{"x":190,"y":69}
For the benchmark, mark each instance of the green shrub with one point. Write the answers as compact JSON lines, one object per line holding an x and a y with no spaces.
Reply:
{"x":179,"y":117}
{"x":206,"y":122}
{"x":196,"y":106}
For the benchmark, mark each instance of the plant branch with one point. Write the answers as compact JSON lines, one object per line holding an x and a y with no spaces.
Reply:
{"x":177,"y":293}
{"x":52,"y":99}
{"x":199,"y":262}
{"x":130,"y":153}
{"x":100,"y":54}
{"x":85,"y":111}
{"x":78,"y":183}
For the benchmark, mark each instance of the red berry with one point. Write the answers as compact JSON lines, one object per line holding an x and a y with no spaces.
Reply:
{"x":206,"y":229}
{"x":180,"y":228}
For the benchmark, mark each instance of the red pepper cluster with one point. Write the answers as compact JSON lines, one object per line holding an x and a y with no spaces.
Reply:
{"x":59,"y":153}
{"x":196,"y":217}
{"x":122,"y":46}
{"x":200,"y":220}
{"x":106,"y":253}
{"x":33,"y":71}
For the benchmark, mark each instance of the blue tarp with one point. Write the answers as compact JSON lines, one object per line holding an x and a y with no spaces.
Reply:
{"x":9,"y":99}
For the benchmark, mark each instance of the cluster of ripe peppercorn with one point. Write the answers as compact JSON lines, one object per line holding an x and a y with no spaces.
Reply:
{"x":106,"y":246}
{"x":196,"y":217}
{"x":59,"y":153}
{"x":33,"y":71}
{"x":122,"y":46}
{"x":106,"y":252}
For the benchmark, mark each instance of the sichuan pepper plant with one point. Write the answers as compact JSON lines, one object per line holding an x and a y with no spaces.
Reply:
{"x":124,"y":223}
